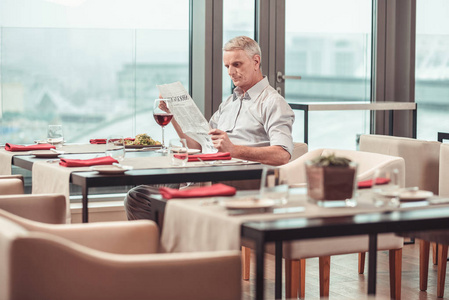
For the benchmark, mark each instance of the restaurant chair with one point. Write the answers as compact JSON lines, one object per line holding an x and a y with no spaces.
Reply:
{"x":441,"y":237}
{"x":11,"y":184}
{"x":299,"y":149}
{"x":296,"y":252}
{"x":421,"y":157}
{"x":421,"y":161}
{"x":110,"y":260}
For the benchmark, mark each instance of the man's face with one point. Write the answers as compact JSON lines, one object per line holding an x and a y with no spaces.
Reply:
{"x":243,"y":70}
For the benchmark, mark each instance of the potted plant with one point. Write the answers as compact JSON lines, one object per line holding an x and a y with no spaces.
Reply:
{"x":330,"y":178}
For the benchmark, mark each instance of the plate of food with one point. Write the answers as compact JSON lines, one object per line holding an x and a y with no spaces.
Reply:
{"x":142,"y":141}
{"x":45,"y":154}
{"x":247,"y":203}
{"x":108,"y":169}
{"x":415,"y":195}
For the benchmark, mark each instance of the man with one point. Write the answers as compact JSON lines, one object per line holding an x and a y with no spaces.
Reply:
{"x":254,"y":123}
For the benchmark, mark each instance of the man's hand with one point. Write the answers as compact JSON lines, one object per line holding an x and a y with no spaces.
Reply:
{"x":163,"y":106}
{"x":221,"y":141}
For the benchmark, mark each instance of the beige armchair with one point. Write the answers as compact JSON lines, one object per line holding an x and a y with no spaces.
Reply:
{"x":421,"y":157}
{"x":296,"y":252}
{"x":114,"y":260}
{"x":439,"y":236}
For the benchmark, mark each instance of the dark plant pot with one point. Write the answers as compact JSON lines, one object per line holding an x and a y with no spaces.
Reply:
{"x":330,"y":183}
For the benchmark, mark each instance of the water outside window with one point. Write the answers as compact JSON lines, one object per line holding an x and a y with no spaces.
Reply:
{"x":432,"y":67}
{"x":328,"y":44}
{"x":92,"y":66}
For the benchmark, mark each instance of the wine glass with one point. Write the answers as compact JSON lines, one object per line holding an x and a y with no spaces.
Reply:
{"x":385,"y":188}
{"x":162,"y":116}
{"x":55,"y":135}
{"x":178,"y":152}
{"x":115,"y":147}
{"x":273,"y":187}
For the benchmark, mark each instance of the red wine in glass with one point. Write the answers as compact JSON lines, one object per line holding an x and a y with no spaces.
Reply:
{"x":162,"y":116}
{"x":163,"y":119}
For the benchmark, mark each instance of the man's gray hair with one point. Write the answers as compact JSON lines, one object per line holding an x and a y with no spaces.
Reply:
{"x":250,"y":46}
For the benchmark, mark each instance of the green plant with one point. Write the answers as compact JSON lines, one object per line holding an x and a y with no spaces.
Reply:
{"x":331,"y":161}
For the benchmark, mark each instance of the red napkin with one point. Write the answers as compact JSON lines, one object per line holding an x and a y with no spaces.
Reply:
{"x":97,"y":141}
{"x":105,"y":160}
{"x":103,"y":141}
{"x":12,"y":147}
{"x":210,"y":156}
{"x":368,"y":183}
{"x":218,"y":189}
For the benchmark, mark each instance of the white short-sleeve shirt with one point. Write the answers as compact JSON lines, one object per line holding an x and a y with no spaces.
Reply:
{"x":260,"y":117}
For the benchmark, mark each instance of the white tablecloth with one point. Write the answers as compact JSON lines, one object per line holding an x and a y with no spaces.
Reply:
{"x":197,"y":225}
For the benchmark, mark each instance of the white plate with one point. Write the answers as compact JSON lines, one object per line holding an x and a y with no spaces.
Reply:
{"x":108,"y":169}
{"x":45,"y":154}
{"x":194,"y":151}
{"x":247,"y":203}
{"x":415,"y":195}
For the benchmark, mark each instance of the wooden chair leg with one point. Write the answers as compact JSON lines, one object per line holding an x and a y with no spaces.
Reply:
{"x":246,"y":257}
{"x":295,"y":278}
{"x":325,"y":267}
{"x":442,"y":263}
{"x":435,"y":253}
{"x":362,"y":262}
{"x":424,"y":248}
{"x":395,"y":257}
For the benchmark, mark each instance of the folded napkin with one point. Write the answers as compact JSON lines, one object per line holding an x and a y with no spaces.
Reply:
{"x":103,"y":141}
{"x":12,"y":147}
{"x":210,"y":156}
{"x":97,"y":141}
{"x":105,"y":160}
{"x":218,"y":189}
{"x":368,"y":183}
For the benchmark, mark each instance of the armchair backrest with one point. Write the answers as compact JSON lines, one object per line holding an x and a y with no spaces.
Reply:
{"x":299,"y":149}
{"x":444,"y":171}
{"x":10,"y":186}
{"x":367,"y":164}
{"x":421,"y":157}
{"x":46,"y":208}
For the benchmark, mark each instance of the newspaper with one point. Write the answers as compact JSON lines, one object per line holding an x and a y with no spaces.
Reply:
{"x":187,"y":114}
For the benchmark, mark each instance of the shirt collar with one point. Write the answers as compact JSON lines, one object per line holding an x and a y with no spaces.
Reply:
{"x":253,"y":92}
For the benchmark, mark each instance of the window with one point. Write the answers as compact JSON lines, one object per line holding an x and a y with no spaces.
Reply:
{"x":328,"y":44}
{"x":62,"y":63}
{"x":238,"y":19}
{"x":432,"y":67}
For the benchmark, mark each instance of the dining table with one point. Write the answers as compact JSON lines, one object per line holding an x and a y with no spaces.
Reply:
{"x":141,"y":167}
{"x":211,"y":224}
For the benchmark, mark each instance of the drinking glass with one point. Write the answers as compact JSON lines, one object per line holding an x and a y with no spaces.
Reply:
{"x":178,"y":152}
{"x":55,"y":135}
{"x":162,"y":116}
{"x":115,"y":147}
{"x":273,"y":187}
{"x":385,"y":188}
